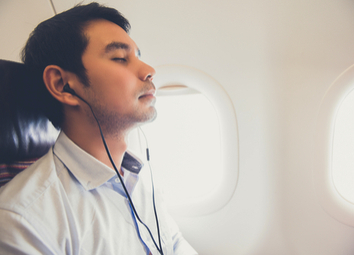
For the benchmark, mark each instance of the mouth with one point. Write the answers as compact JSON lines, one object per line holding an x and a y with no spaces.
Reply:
{"x":148,"y":94}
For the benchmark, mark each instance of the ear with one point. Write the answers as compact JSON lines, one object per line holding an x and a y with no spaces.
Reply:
{"x":55,"y":78}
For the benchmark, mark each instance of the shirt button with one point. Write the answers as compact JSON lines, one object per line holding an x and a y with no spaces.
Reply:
{"x":117,"y":180}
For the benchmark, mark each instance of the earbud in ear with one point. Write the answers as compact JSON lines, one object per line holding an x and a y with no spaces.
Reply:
{"x":69,"y":90}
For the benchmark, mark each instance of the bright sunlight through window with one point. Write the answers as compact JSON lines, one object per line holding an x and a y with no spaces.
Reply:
{"x":343,"y":149}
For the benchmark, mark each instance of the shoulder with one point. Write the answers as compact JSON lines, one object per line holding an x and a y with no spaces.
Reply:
{"x":28,"y":185}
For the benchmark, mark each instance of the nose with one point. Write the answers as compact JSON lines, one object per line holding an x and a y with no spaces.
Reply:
{"x":146,"y":72}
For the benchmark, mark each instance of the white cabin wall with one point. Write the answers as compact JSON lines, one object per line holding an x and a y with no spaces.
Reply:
{"x":17,"y":20}
{"x":315,"y":47}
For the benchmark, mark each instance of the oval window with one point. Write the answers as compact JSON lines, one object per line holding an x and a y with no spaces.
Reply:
{"x":334,"y":151}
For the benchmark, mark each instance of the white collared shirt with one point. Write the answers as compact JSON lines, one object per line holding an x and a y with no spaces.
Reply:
{"x":70,"y":203}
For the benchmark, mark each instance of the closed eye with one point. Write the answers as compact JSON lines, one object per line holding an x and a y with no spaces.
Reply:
{"x":119,"y":59}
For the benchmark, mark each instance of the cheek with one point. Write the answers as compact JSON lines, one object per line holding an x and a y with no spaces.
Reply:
{"x":118,"y":92}
{"x":114,"y":83}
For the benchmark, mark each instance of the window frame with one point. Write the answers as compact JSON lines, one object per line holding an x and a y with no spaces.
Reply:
{"x":329,"y":197}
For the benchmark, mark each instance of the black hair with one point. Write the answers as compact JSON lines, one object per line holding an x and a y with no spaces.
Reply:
{"x":61,"y":41}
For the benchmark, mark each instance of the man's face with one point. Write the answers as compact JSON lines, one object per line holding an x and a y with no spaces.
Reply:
{"x":121,"y":92}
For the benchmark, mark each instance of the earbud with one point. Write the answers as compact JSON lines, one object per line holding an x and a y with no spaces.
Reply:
{"x":69,"y":90}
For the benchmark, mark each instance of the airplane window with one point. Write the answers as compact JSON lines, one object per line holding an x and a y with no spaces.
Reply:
{"x":193,"y":141}
{"x":184,"y":141}
{"x":343,"y":149}
{"x":334,"y":162}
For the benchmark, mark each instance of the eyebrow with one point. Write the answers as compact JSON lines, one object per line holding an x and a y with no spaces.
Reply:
{"x":119,"y":45}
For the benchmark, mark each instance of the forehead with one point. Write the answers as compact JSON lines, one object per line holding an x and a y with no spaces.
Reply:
{"x":102,"y":33}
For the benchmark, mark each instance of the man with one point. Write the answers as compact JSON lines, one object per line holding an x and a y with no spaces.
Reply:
{"x":70,"y":201}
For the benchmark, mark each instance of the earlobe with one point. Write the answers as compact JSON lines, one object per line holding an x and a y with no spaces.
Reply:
{"x":55,"y":79}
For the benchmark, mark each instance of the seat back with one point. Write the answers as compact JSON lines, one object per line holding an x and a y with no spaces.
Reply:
{"x":25,"y":134}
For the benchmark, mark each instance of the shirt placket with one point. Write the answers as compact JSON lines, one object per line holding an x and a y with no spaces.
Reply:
{"x":130,"y":181}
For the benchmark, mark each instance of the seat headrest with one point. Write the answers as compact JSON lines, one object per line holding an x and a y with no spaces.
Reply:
{"x":24,"y":133}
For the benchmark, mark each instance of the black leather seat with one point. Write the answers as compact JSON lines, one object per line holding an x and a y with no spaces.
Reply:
{"x":25,"y":134}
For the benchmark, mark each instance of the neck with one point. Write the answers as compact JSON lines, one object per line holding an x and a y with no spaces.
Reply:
{"x":89,"y":139}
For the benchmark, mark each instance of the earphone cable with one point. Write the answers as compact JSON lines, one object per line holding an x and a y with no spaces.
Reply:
{"x":123,"y":185}
{"x":153,"y":189}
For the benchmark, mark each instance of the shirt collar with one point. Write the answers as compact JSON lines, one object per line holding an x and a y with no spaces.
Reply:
{"x":89,"y":171}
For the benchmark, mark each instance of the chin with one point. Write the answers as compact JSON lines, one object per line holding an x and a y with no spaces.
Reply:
{"x":149,"y":116}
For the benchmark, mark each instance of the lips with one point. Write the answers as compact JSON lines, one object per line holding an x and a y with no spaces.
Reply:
{"x":148,"y":93}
